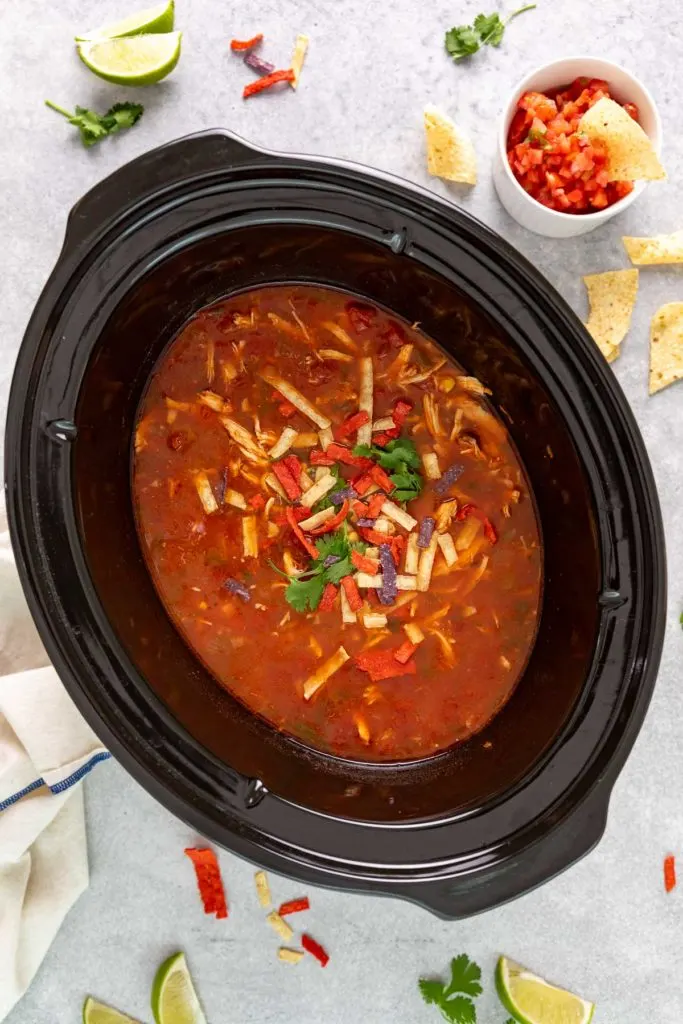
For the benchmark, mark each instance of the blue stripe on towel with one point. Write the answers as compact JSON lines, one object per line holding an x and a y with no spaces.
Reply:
{"x":59,"y":787}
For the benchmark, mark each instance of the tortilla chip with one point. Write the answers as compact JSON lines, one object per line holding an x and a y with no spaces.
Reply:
{"x":630,"y":153}
{"x":611,"y":297}
{"x":450,"y":154}
{"x":298,"y":58}
{"x":666,"y":346}
{"x":658,"y":249}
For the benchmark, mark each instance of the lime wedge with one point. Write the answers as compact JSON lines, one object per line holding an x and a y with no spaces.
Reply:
{"x":531,"y":1000}
{"x":174,"y":1000}
{"x":152,"y":19}
{"x":98,"y":1013}
{"x":132,"y":60}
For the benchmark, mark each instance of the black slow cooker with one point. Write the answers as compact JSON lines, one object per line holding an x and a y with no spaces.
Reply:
{"x":207,"y":216}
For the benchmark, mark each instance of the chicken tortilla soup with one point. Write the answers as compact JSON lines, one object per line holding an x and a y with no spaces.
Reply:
{"x":337,"y":523}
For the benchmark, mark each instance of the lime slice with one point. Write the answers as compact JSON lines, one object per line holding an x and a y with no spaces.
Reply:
{"x":174,"y":1000}
{"x":132,"y":60}
{"x":531,"y":1000}
{"x":98,"y":1013}
{"x":152,"y":19}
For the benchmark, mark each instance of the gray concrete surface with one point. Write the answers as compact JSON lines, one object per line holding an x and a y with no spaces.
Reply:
{"x":606,"y":927}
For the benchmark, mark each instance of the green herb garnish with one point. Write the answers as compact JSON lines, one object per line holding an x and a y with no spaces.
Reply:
{"x":305,"y":592}
{"x":401,"y":460}
{"x":487,"y":30}
{"x":94,"y":127}
{"x":455,"y":1000}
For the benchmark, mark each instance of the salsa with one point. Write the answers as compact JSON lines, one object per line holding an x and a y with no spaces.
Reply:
{"x":337,"y":523}
{"x":552,"y":160}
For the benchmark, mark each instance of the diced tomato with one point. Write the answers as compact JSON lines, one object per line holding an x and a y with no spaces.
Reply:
{"x":256,"y":501}
{"x":333,"y":522}
{"x":632,"y":110}
{"x":383,"y":664}
{"x":401,"y":411}
{"x":405,"y":652}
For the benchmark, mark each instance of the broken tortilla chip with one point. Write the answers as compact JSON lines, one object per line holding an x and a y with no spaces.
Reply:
{"x":658,"y":249}
{"x":611,"y":297}
{"x":450,"y":154}
{"x":630,"y":153}
{"x":666,"y":346}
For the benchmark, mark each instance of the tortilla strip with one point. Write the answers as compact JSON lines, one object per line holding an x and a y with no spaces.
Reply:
{"x":334,"y":354}
{"x":243,"y":437}
{"x":205,"y":492}
{"x":424,"y":572}
{"x":365,"y":399}
{"x":369,"y":581}
{"x":386,"y":423}
{"x":666,"y":346}
{"x":234,"y":498}
{"x":297,"y":399}
{"x":611,"y":297}
{"x":249,"y":537}
{"x":340,"y":334}
{"x":374,"y":620}
{"x":318,"y":518}
{"x":280,"y":925}
{"x":213,"y":401}
{"x":326,"y":437}
{"x":327,"y":669}
{"x":656,"y":250}
{"x":298,"y":58}
{"x":319,"y":489}
{"x":399,"y":515}
{"x":283,"y":443}
{"x":305,"y":440}
{"x":272,"y":481}
{"x":348,"y":616}
{"x":430,"y":461}
{"x":412,"y":558}
{"x":445,"y":542}
{"x":413,"y":632}
{"x":262,"y":888}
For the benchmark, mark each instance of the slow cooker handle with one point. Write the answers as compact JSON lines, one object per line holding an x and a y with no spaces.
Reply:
{"x":156,"y":173}
{"x":576,"y":836}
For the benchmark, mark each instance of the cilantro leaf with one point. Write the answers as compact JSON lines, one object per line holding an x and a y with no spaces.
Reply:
{"x":459,"y":1010}
{"x":490,"y":28}
{"x":303,"y":595}
{"x":432,"y":991}
{"x":465,"y":976}
{"x":335,"y":543}
{"x":93,"y":127}
{"x":335,"y":573}
{"x":400,"y":456}
{"x":462,"y":41}
{"x":402,"y":450}
{"x":487,"y":30}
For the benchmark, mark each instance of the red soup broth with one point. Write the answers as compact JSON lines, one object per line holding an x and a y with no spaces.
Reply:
{"x":398,"y":618}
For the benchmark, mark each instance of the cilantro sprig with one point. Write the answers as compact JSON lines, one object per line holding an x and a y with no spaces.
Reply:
{"x":455,"y":999}
{"x":305,"y":592}
{"x":487,"y":30}
{"x":401,"y":460}
{"x":95,"y":127}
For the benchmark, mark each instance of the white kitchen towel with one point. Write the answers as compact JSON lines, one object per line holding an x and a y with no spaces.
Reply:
{"x":45,"y":750}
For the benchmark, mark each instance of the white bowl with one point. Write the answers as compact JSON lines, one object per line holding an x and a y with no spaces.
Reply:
{"x":531,"y":214}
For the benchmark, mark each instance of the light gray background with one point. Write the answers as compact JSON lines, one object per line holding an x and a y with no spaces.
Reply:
{"x":604,"y":928}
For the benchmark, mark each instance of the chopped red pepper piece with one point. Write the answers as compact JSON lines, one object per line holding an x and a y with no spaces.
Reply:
{"x":374,"y":537}
{"x":383,"y":439}
{"x":383,"y":665}
{"x":333,"y":522}
{"x":326,"y":604}
{"x":246,"y":44}
{"x":299,"y":533}
{"x":401,"y":411}
{"x":375,"y":505}
{"x":257,"y":501}
{"x":364,"y":564}
{"x":291,"y":486}
{"x":319,"y":458}
{"x":315,"y":949}
{"x":362,"y":483}
{"x":295,"y":906}
{"x":267,"y":82}
{"x":360,"y":508}
{"x":351,"y":424}
{"x":341,"y":454}
{"x":209,"y":881}
{"x":669,"y":873}
{"x":352,"y":595}
{"x":405,"y":652}
{"x":381,"y":479}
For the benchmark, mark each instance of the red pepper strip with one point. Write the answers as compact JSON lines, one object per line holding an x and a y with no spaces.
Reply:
{"x":246,"y":44}
{"x":381,"y":479}
{"x":319,"y":458}
{"x":490,"y":531}
{"x":284,"y":474}
{"x":374,"y":537}
{"x":351,"y":424}
{"x":360,"y":508}
{"x":405,"y":652}
{"x":669,"y":873}
{"x":209,"y":881}
{"x":397,"y":546}
{"x":401,"y":411}
{"x":362,"y":483}
{"x":383,"y":439}
{"x":326,"y":605}
{"x":352,"y":595}
{"x":364,"y":564}
{"x":294,"y":906}
{"x":299,"y":533}
{"x":375,"y":505}
{"x":293,"y":465}
{"x":341,"y":454}
{"x":315,"y":949}
{"x":383,"y":665}
{"x":331,"y":524}
{"x":267,"y":81}
{"x":257,"y":501}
